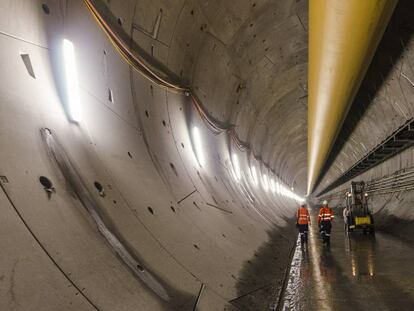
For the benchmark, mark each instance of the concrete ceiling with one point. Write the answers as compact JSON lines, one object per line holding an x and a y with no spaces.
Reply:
{"x":247,"y":63}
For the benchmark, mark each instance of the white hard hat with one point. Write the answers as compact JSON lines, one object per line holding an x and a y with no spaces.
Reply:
{"x":325,"y":202}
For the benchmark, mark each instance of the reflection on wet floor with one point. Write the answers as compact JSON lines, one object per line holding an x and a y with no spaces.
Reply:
{"x":358,"y":272}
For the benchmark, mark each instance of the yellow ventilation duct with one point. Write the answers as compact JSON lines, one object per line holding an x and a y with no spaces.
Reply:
{"x":343,"y":37}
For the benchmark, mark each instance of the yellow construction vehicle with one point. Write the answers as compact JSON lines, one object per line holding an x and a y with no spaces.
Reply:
{"x":357,"y":215}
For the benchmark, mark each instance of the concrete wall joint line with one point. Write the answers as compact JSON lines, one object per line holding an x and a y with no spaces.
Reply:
{"x":22,"y":40}
{"x":43,"y":248}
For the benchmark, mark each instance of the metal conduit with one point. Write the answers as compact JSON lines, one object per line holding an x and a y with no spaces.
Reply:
{"x":343,"y":38}
{"x":398,"y":182}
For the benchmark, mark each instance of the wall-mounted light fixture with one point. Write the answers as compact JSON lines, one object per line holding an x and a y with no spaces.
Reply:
{"x":71,"y":82}
{"x":272,"y":185}
{"x":198,"y":146}
{"x":265,"y":182}
{"x":254,"y":175}
{"x":236,"y":166}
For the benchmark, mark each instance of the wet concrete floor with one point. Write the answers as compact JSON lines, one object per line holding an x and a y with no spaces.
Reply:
{"x":357,"y":272}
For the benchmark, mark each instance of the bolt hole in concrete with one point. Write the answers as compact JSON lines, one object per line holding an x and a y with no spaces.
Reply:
{"x":174,"y":169}
{"x":110,"y":96}
{"x":150,"y":210}
{"x":100,"y":189}
{"x":196,"y":246}
{"x":28,"y":64}
{"x":182,"y":145}
{"x":172,"y":208}
{"x":146,"y":113}
{"x":129,"y":154}
{"x":45,"y":9}
{"x":120,"y":21}
{"x":164,"y":123}
{"x":45,"y":182}
{"x":98,"y":186}
{"x":114,"y":201}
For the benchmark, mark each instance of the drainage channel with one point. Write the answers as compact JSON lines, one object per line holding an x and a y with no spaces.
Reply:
{"x":289,"y":297}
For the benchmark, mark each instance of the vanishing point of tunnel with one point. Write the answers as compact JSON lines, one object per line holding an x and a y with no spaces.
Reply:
{"x":206,"y":155}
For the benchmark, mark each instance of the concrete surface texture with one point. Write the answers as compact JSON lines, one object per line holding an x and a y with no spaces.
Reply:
{"x":115,"y":212}
{"x":126,"y":219}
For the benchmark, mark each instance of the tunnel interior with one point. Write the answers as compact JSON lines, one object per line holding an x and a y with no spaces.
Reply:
{"x":154,"y":153}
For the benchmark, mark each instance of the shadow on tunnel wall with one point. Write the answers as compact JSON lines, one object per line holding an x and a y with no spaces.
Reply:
{"x":399,"y":32}
{"x":261,"y":278}
{"x":387,"y":221}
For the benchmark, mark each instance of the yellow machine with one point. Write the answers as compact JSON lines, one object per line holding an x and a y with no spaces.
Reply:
{"x":357,"y":215}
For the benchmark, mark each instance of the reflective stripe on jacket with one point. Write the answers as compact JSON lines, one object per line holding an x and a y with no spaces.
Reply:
{"x":325,"y":214}
{"x":302,"y":216}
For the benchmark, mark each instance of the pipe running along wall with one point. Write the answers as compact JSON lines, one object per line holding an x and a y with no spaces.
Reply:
{"x":343,"y":38}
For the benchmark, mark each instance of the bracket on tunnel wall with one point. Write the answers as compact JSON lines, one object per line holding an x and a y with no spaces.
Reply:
{"x":398,"y":141}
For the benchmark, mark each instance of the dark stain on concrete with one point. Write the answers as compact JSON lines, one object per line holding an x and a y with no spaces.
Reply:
{"x":11,"y":290}
{"x":262,"y":277}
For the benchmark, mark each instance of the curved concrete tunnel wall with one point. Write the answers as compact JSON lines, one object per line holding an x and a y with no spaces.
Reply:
{"x":248,"y":66}
{"x":225,"y":240}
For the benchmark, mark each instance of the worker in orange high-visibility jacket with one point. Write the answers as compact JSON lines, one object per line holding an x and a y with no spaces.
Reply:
{"x":325,"y":219}
{"x":303,"y":222}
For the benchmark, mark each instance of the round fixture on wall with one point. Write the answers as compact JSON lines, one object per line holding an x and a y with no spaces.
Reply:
{"x":45,"y":182}
{"x":45,"y":8}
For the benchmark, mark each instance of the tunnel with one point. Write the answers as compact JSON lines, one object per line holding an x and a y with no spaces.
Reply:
{"x":154,"y":154}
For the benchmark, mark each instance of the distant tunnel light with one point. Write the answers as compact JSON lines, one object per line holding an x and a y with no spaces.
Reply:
{"x":236,"y":166}
{"x":272,"y":185}
{"x":71,"y":80}
{"x":198,"y":146}
{"x":254,"y":176}
{"x":265,"y":181}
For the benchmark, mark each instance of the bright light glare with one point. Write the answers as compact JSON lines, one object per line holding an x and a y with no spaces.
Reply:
{"x":236,"y":166}
{"x":71,"y":77}
{"x":265,"y":182}
{"x":254,"y":176}
{"x":272,"y":185}
{"x":198,"y":146}
{"x":280,"y":189}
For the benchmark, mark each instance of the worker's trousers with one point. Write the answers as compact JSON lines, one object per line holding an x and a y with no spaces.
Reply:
{"x":303,"y":232}
{"x":325,"y":230}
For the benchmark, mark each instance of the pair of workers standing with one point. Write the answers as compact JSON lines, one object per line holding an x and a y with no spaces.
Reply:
{"x":325,"y":218}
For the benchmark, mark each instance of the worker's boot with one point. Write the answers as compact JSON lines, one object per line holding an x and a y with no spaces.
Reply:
{"x":302,"y":238}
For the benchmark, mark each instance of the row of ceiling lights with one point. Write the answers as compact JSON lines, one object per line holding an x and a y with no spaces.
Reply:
{"x":74,"y":111}
{"x":267,"y":183}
